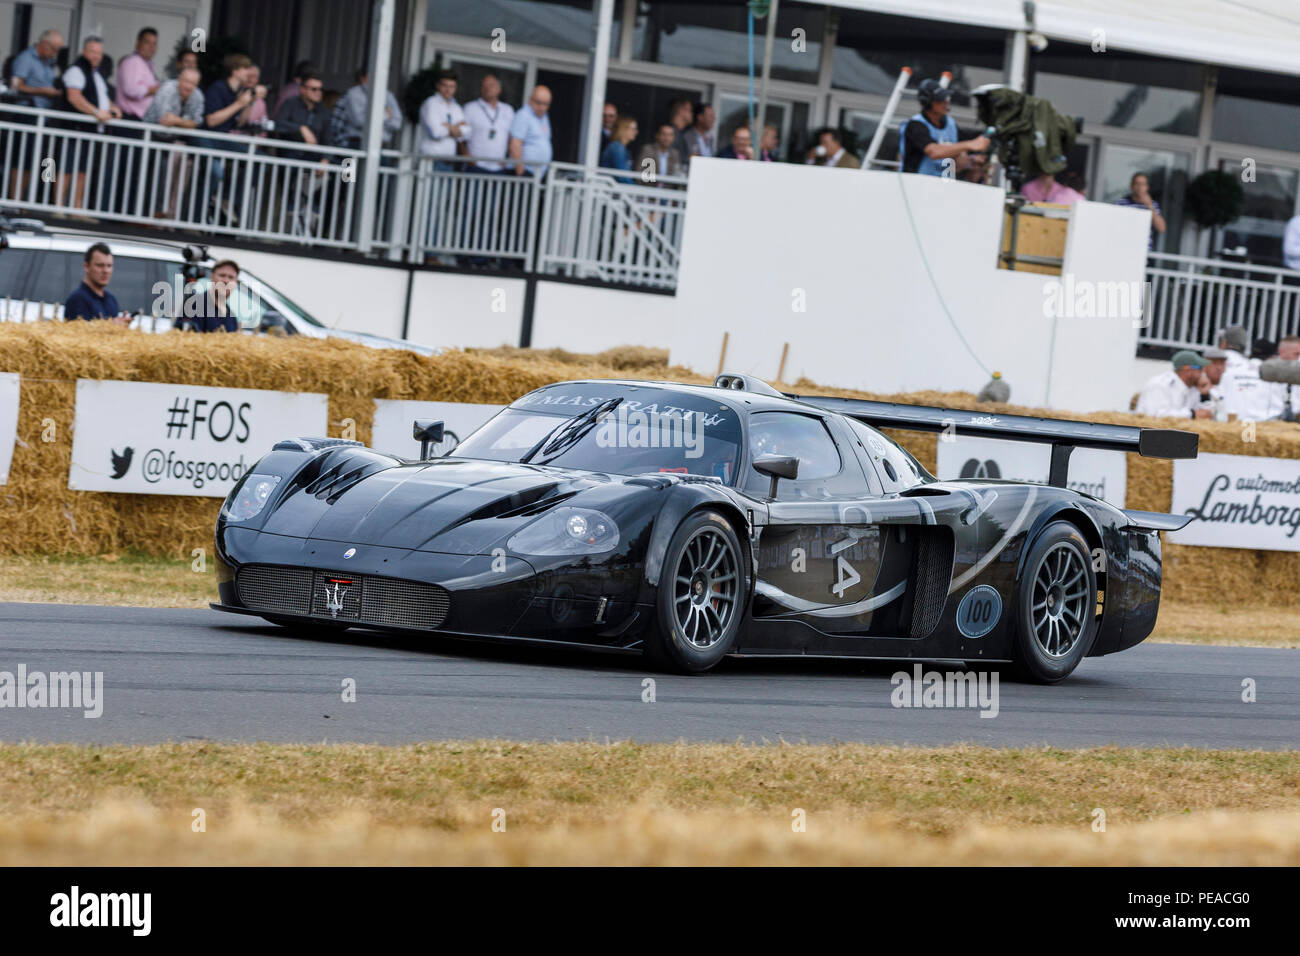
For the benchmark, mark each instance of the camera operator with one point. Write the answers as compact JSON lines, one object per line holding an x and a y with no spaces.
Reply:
{"x":928,"y":140}
{"x":214,"y":299}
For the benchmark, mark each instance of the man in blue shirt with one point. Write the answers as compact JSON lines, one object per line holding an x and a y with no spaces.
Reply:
{"x":530,"y":134}
{"x":33,"y":70}
{"x":91,"y":299}
{"x":1139,"y":194}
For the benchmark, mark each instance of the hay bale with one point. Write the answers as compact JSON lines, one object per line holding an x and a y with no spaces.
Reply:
{"x":40,"y":515}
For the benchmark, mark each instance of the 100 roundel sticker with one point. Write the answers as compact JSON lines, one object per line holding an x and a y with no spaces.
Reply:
{"x":979,"y":610}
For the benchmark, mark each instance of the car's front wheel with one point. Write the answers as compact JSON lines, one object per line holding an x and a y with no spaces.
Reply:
{"x":701,"y":601}
{"x":1056,"y":605}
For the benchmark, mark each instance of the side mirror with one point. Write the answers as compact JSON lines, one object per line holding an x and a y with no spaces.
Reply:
{"x":777,"y":467}
{"x":427,"y":433}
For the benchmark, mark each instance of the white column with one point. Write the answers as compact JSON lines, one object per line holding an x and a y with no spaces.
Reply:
{"x":381,"y":44}
{"x":597,"y":72}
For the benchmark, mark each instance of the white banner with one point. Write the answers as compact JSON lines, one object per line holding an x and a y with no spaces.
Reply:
{"x":1238,"y":502}
{"x":1094,"y":471}
{"x":156,"y":439}
{"x":391,"y":433}
{"x":8,"y":422}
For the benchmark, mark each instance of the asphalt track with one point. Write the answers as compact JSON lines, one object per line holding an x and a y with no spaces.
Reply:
{"x":204,"y":675}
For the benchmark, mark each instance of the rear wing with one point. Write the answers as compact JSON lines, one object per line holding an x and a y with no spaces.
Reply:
{"x":1063,"y":435}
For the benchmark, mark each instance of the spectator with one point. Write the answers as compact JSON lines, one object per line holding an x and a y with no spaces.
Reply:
{"x":830,"y":151}
{"x":216,"y":299}
{"x":185,"y":60}
{"x":659,"y":159}
{"x":301,"y":69}
{"x":91,"y":299}
{"x":137,"y":82}
{"x":489,"y":125}
{"x":1045,"y":188}
{"x":701,"y":139}
{"x":608,"y":115}
{"x":253,"y":119}
{"x":1291,"y":244}
{"x":681,"y":114}
{"x":1245,"y":396}
{"x":177,"y":104}
{"x":1139,"y":194}
{"x":86,"y":91}
{"x":33,"y":71}
{"x":768,"y":147}
{"x":303,"y":119}
{"x":1286,"y":397}
{"x":224,"y":101}
{"x":929,"y":138}
{"x":1174,"y":393}
{"x":616,"y":155}
{"x":530,"y":134}
{"x":741,"y":147}
{"x":442,"y":121}
{"x":348,"y":118}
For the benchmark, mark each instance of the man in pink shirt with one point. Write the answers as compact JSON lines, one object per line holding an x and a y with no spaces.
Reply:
{"x":136,"y":80}
{"x":1046,"y":189}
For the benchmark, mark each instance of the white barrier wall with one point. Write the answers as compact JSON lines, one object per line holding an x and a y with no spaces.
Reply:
{"x":837,"y":263}
{"x":585,"y":318}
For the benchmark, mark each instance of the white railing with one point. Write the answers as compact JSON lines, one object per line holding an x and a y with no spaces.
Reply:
{"x":1190,"y":299}
{"x":595,"y":224}
{"x":64,"y":163}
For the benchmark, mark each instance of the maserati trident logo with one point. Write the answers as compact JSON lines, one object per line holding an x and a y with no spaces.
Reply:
{"x":334,"y":599}
{"x":349,"y":553}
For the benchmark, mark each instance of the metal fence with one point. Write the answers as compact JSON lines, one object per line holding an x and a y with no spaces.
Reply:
{"x":1190,"y":299}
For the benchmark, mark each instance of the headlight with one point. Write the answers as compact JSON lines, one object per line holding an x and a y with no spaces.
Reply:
{"x":567,"y":531}
{"x":249,"y":497}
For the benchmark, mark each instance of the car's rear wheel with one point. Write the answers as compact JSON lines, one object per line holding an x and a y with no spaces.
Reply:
{"x":1056,"y":605}
{"x":701,"y":601}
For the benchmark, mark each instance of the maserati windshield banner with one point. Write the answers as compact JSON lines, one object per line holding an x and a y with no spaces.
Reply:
{"x":1093,"y":471}
{"x":1238,"y":502}
{"x":393,"y":419}
{"x":151,"y":438}
{"x":8,"y":421}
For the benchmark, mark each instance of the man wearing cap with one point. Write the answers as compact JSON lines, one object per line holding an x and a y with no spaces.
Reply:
{"x":1245,"y":396}
{"x":928,"y":141}
{"x":1174,"y":394}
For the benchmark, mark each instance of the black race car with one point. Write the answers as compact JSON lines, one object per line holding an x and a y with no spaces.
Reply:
{"x":692,"y":522}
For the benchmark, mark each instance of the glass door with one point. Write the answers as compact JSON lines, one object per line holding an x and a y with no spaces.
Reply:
{"x":1256,"y":235}
{"x":1166,"y":171}
{"x":790,"y":119}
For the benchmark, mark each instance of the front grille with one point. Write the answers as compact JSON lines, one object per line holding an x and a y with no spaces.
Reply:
{"x":357,"y":598}
{"x":287,"y":590}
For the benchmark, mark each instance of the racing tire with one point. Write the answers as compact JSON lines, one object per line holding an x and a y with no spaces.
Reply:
{"x":300,"y":628}
{"x":1056,"y":620}
{"x":702,"y":596}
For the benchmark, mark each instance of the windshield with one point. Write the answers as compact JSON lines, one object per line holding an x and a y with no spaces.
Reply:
{"x":650,"y":430}
{"x":275,"y":300}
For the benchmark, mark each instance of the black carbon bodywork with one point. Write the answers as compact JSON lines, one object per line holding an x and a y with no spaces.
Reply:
{"x":351,"y":536}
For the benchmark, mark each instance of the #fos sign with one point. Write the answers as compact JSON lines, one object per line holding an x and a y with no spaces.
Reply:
{"x":1237,"y":501}
{"x":148,"y":438}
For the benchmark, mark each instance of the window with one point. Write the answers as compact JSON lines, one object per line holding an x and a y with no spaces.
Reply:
{"x":871,"y":49}
{"x":54,"y":276}
{"x":1258,"y":109}
{"x":558,"y":24}
{"x":821,"y":471}
{"x":1128,"y":90}
{"x":714,"y":36}
{"x":897,"y":469}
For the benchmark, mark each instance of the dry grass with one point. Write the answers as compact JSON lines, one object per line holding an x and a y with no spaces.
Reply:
{"x":1229,"y":626}
{"x":587,"y":803}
